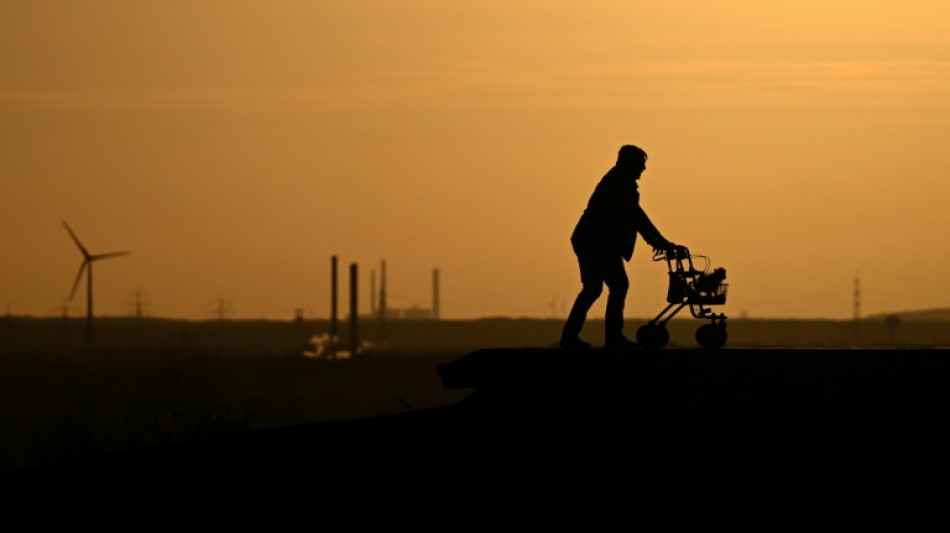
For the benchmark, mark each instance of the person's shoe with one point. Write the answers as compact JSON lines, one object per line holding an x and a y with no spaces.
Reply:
{"x":574,"y":343}
{"x":620,"y":343}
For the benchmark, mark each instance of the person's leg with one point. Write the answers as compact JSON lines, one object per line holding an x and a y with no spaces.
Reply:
{"x":593,"y":282}
{"x":616,"y":278}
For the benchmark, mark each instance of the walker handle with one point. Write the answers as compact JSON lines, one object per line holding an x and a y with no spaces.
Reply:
{"x":677,"y":252}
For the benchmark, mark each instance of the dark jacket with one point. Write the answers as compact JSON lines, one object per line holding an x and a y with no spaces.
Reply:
{"x":614,"y":217}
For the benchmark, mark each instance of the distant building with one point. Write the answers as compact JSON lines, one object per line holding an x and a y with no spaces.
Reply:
{"x":410,"y":313}
{"x":416,"y":313}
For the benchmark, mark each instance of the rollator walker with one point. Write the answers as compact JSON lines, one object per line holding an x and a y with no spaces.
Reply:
{"x":695,"y":288}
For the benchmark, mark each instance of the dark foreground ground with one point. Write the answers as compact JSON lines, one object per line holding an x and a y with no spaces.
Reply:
{"x":804,"y":417}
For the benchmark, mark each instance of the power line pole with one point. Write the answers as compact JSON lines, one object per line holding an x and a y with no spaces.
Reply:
{"x":222,"y":308}
{"x":139,"y":307}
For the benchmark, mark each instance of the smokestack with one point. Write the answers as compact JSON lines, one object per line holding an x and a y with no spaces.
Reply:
{"x":435,"y":293}
{"x":333,"y":302}
{"x":354,"y":314}
{"x":382,"y":301}
{"x":372,"y":292}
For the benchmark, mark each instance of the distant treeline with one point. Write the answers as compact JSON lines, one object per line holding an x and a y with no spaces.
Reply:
{"x":284,"y":338}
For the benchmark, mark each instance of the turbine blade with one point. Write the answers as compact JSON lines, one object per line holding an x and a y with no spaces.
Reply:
{"x":106,"y":256}
{"x":82,"y":269}
{"x":82,"y":248}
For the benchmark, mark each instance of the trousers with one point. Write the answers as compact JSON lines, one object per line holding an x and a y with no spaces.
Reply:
{"x":597,"y":268}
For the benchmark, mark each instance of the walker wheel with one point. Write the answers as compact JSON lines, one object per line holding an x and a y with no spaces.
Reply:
{"x":712,"y":336}
{"x":651,"y":335}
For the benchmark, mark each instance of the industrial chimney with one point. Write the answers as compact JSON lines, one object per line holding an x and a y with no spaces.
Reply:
{"x":381,"y":330}
{"x":333,"y":304}
{"x":435,"y":294}
{"x":372,"y":292}
{"x":354,"y":313}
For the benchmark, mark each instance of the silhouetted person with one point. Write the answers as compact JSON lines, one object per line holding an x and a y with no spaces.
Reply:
{"x":603,"y":238}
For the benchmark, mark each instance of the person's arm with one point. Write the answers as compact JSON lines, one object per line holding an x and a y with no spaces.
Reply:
{"x":646,"y":228}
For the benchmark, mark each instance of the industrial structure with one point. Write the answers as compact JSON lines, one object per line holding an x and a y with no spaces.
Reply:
{"x":354,"y":313}
{"x":379,"y":311}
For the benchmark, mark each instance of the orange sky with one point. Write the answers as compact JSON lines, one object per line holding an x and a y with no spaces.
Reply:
{"x":233,"y":146}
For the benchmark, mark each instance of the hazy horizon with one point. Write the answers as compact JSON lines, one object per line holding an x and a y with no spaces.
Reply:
{"x":233,"y":147}
{"x":633,"y":321}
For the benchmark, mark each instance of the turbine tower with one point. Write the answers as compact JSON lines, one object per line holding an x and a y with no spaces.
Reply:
{"x":87,"y":260}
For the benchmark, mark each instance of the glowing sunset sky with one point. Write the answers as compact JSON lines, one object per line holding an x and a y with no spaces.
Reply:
{"x":233,"y":146}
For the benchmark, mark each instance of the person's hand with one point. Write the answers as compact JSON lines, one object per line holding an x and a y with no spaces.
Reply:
{"x":664,"y":247}
{"x":672,"y":250}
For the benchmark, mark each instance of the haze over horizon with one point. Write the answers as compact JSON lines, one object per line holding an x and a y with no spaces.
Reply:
{"x":234,"y":146}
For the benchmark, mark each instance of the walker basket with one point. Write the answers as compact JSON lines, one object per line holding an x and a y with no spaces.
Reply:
{"x":714,"y":297}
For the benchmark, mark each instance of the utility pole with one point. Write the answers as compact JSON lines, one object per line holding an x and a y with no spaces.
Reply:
{"x":64,"y":313}
{"x":223,"y":308}
{"x":139,"y":315}
{"x":139,"y":306}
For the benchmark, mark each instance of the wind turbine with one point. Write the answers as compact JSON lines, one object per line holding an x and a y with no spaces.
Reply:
{"x":87,"y":260}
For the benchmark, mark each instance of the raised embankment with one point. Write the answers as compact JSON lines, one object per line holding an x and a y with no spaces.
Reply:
{"x":777,"y":414}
